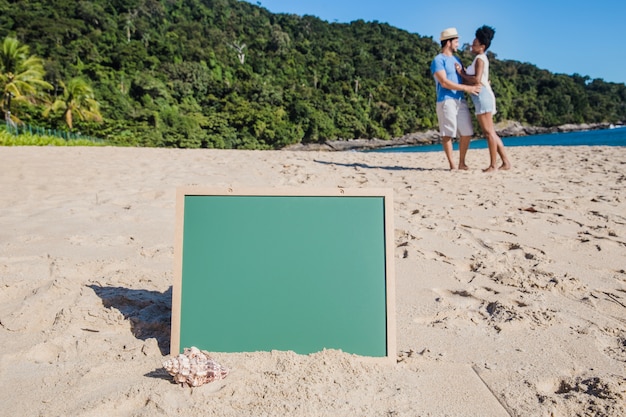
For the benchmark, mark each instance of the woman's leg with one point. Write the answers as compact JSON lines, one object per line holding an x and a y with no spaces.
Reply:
{"x":486,"y":124}
{"x":506,"y":164}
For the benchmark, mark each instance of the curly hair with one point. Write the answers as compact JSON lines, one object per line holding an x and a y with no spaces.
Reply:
{"x":484,"y":34}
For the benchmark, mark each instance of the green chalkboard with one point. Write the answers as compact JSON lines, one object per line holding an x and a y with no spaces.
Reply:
{"x":284,"y":270}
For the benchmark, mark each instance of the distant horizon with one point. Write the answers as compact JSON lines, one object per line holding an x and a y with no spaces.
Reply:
{"x":562,"y":37}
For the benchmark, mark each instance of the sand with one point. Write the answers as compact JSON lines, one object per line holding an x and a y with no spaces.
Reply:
{"x":511,"y":286}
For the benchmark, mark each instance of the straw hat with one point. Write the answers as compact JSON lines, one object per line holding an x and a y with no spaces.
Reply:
{"x":449,"y":33}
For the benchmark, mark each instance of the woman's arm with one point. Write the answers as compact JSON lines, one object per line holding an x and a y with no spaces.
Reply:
{"x":479,"y":65}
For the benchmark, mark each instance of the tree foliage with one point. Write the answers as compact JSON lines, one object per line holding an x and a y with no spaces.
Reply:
{"x":230,"y":74}
{"x":21,"y":75}
{"x":76,"y":101}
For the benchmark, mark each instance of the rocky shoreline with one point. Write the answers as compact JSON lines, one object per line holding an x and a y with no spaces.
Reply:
{"x":504,"y":129}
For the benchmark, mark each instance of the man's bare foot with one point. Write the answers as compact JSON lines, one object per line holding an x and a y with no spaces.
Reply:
{"x":490,"y":168}
{"x":463,"y":167}
{"x":505,"y":166}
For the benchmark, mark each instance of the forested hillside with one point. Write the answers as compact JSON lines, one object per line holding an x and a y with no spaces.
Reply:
{"x":229,"y":74}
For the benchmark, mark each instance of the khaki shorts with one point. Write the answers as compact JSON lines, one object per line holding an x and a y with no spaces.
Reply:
{"x":454,"y":118}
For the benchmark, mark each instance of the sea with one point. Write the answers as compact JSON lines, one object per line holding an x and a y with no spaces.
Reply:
{"x":604,"y":137}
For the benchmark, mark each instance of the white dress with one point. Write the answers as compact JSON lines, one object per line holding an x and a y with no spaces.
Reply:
{"x":485,"y":101}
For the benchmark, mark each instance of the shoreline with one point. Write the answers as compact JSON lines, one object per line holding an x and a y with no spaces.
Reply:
{"x":431,"y":137}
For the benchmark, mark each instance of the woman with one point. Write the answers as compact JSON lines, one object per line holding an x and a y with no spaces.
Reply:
{"x":485,"y":101}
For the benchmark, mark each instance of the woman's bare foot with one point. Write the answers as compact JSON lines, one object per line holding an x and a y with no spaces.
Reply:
{"x":505,"y":166}
{"x":490,"y":168}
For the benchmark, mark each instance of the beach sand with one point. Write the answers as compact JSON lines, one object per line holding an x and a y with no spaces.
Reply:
{"x":510,"y":287}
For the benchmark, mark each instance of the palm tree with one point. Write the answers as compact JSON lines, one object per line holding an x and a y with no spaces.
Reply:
{"x":77,"y":101}
{"x":21,"y":74}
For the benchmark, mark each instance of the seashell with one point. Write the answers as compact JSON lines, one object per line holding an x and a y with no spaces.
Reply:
{"x":194,"y":367}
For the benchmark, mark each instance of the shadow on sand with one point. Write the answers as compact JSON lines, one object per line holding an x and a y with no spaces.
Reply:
{"x":366,"y":166}
{"x":149,"y":312}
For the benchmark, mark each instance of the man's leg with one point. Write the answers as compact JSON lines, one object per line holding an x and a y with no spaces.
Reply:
{"x":446,"y":142}
{"x":466,"y":131}
{"x":464,"y":142}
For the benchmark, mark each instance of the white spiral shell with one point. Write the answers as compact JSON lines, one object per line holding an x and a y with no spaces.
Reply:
{"x":194,"y":367}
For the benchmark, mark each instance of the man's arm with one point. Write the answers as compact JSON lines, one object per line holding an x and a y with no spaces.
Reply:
{"x":450,"y":85}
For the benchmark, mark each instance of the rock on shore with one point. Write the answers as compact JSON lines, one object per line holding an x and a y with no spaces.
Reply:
{"x":504,"y":129}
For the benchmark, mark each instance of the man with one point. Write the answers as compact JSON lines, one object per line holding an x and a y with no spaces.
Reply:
{"x":452,"y":111}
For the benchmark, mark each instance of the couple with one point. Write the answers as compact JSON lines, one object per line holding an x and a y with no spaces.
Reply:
{"x":452,"y":81}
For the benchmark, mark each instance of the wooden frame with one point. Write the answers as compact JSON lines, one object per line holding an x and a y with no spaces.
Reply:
{"x":220,"y":243}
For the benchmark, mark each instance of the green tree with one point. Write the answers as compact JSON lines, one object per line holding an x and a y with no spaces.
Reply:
{"x":77,"y":101}
{"x":21,"y":74}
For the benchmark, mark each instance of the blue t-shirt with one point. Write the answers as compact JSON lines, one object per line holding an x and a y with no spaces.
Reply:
{"x":445,"y":62}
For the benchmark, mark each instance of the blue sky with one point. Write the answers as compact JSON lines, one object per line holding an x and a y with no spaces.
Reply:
{"x":561,"y":36}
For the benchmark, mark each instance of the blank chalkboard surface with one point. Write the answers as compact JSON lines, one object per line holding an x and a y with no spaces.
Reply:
{"x":290,"y":269}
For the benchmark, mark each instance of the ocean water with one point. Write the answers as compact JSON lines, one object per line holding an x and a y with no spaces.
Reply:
{"x":605,"y":137}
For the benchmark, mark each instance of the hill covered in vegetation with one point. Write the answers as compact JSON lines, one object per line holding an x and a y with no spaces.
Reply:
{"x":230,"y":74}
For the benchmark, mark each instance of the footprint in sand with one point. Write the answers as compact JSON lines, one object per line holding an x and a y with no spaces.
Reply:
{"x":598,"y":396}
{"x":612,"y":342}
{"x":488,"y":307}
